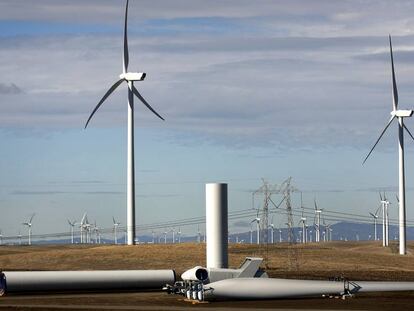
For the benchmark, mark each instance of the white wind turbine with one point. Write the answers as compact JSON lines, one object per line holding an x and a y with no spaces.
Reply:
{"x":116,"y":224}
{"x":72,"y":225}
{"x":272,"y":230}
{"x":29,"y":226}
{"x":303,"y":222}
{"x":129,"y":78}
{"x":96,"y":230}
{"x":375,"y":217}
{"x":385,"y":204}
{"x":318,"y":213}
{"x":81,"y":228}
{"x":257,"y":220}
{"x":173,"y":235}
{"x":280,"y":235}
{"x":198,"y":234}
{"x":400,"y":115}
{"x":179,"y":235}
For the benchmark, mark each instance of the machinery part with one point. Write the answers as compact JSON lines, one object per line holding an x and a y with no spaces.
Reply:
{"x":28,"y":281}
{"x":265,"y":288}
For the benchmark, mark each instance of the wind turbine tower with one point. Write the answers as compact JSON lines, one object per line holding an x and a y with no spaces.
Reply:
{"x":29,"y":226}
{"x":385,"y":220}
{"x":129,"y":78}
{"x":303,"y":222}
{"x":375,"y":217}
{"x":257,"y":220}
{"x":72,"y":225}
{"x":400,"y":115}
{"x":116,"y":224}
{"x":318,"y":213}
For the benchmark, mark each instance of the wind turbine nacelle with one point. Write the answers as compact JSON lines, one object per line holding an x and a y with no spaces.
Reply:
{"x":133,"y":76}
{"x":402,"y":113}
{"x":195,"y":274}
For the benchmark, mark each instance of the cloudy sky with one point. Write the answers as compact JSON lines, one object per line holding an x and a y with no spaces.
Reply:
{"x":249,"y":89}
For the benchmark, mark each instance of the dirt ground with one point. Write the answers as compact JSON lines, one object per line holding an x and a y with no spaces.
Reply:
{"x":352,"y":260}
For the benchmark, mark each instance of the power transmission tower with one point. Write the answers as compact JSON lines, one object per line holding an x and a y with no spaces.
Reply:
{"x":266,"y":190}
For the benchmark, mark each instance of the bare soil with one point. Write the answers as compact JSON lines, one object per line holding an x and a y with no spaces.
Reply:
{"x":352,"y":260}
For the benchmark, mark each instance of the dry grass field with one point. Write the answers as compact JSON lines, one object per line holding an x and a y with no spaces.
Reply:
{"x":353,"y":260}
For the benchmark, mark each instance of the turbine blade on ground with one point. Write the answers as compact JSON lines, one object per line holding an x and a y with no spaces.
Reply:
{"x":126,"y":54}
{"x":137,"y":94}
{"x":394,"y":83}
{"x":109,"y":92}
{"x":409,"y":133}
{"x":382,"y":133}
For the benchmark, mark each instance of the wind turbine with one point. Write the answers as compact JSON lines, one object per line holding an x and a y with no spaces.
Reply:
{"x":173,"y":235}
{"x":198,"y":234}
{"x":400,"y":115}
{"x":179,"y":235}
{"x":280,"y":235}
{"x":375,"y":217}
{"x":251,"y":233}
{"x":303,"y":222}
{"x":318,"y":222}
{"x":116,"y":224}
{"x":129,"y":78}
{"x":82,"y":227}
{"x":29,"y":226}
{"x":72,"y":225}
{"x":272,"y":230}
{"x":1,"y":237}
{"x":96,"y":229}
{"x":385,"y":204}
{"x":257,"y":220}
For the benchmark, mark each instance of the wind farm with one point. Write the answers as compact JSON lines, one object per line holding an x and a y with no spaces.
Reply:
{"x":251,"y":189}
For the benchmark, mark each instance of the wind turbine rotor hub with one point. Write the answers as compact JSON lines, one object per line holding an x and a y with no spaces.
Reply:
{"x":133,"y":76}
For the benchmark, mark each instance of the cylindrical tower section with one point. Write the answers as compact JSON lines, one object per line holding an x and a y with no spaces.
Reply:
{"x":217,"y":225}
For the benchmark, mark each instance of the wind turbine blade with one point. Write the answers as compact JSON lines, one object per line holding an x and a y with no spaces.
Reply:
{"x":394,"y":83}
{"x":31,"y":218}
{"x":109,"y":92}
{"x":380,"y":196}
{"x":137,"y":94}
{"x":382,"y":133}
{"x":398,"y":199}
{"x":409,"y":133}
{"x":372,"y":215}
{"x":83,"y":218}
{"x":126,"y":54}
{"x":113,"y":219}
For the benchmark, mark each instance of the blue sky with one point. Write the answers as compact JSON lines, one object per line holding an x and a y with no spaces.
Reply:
{"x":249,"y":89}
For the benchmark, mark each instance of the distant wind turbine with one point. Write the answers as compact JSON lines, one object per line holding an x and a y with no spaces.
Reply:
{"x":116,"y":224}
{"x":375,"y":217}
{"x":385,"y":227}
{"x":318,"y":222}
{"x":303,"y":222}
{"x":129,"y":78}
{"x":257,"y":220}
{"x":400,"y":115}
{"x":29,"y":226}
{"x":72,"y":225}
